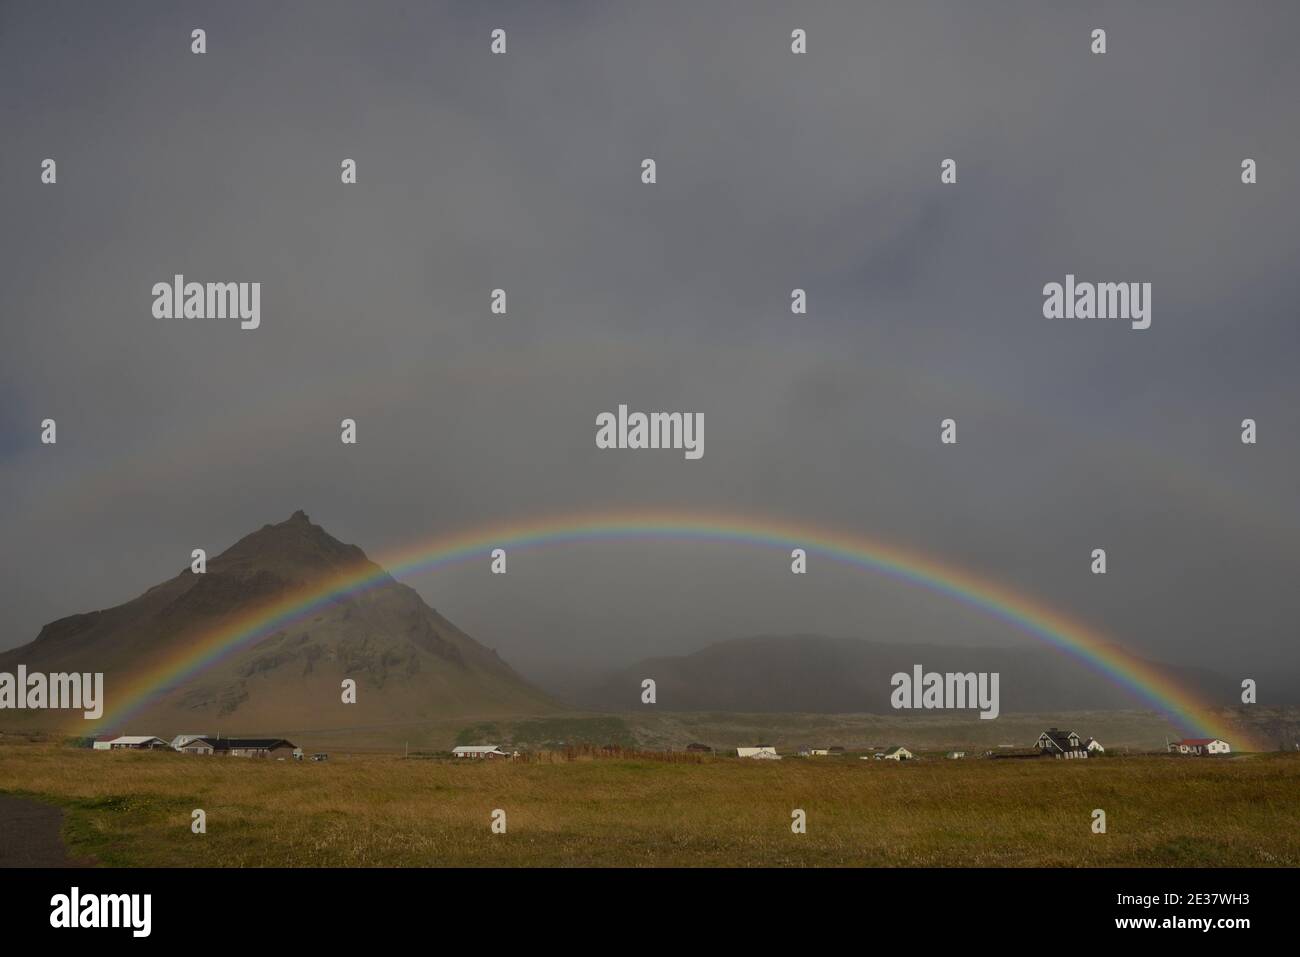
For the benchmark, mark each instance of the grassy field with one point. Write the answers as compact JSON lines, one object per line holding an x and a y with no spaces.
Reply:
{"x":134,"y":808}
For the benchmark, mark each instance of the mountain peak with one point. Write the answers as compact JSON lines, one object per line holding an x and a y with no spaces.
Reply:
{"x":294,"y":549}
{"x":414,"y":663}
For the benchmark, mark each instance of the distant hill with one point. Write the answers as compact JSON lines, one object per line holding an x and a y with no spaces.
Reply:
{"x":410,"y":663}
{"x":810,"y":673}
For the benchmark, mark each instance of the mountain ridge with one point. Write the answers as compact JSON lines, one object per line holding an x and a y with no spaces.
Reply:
{"x":408,"y":660}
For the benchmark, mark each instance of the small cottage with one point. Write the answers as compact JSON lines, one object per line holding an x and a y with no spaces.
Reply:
{"x":478,"y":751}
{"x":1203,"y":746}
{"x":132,"y":742}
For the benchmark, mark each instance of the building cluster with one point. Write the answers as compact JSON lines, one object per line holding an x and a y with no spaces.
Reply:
{"x":1053,"y":743}
{"x":206,"y":744}
{"x":1200,"y":746}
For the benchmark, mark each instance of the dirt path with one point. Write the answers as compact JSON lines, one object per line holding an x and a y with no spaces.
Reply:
{"x":29,"y":835}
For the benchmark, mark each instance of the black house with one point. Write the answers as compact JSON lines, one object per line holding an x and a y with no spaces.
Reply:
{"x":1061,"y":744}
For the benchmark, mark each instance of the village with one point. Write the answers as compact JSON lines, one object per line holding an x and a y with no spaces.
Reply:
{"x":1052,"y":743}
{"x":277,"y":748}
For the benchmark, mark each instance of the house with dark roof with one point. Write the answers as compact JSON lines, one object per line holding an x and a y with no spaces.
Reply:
{"x":132,"y":742}
{"x":1004,"y":751}
{"x":1061,"y":744}
{"x":240,"y":747}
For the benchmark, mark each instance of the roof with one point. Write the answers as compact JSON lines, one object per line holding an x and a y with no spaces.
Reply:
{"x":242,"y":744}
{"x":1200,"y":741}
{"x":477,"y":749}
{"x":1060,"y":738}
{"x":896,"y":748}
{"x":133,"y":739}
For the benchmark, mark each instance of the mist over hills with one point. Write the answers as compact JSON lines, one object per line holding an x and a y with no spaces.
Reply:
{"x":812,"y":673}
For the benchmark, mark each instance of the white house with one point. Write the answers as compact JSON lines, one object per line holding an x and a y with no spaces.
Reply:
{"x":763,"y":752}
{"x":1201,"y":746}
{"x":139,"y":742}
{"x":956,"y":754}
{"x":478,"y":751}
{"x":181,"y":740}
{"x":1094,"y":746}
{"x":897,"y":753}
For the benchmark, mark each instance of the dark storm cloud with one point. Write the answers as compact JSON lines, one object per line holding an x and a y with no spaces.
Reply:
{"x":775,"y":171}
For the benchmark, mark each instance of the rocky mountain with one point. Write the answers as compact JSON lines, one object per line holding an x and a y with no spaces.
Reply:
{"x":409,"y":662}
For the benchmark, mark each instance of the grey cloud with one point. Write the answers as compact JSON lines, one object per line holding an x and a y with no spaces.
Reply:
{"x":775,"y":172}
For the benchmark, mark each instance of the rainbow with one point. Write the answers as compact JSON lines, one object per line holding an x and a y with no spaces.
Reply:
{"x":1081,"y":642}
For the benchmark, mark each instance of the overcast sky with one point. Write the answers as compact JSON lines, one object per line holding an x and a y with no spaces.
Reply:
{"x":775,"y":171}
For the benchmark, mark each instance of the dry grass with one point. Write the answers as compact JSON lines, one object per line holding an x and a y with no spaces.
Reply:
{"x":134,"y":809}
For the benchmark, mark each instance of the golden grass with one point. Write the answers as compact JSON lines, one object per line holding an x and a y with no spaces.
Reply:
{"x":133,"y":808}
